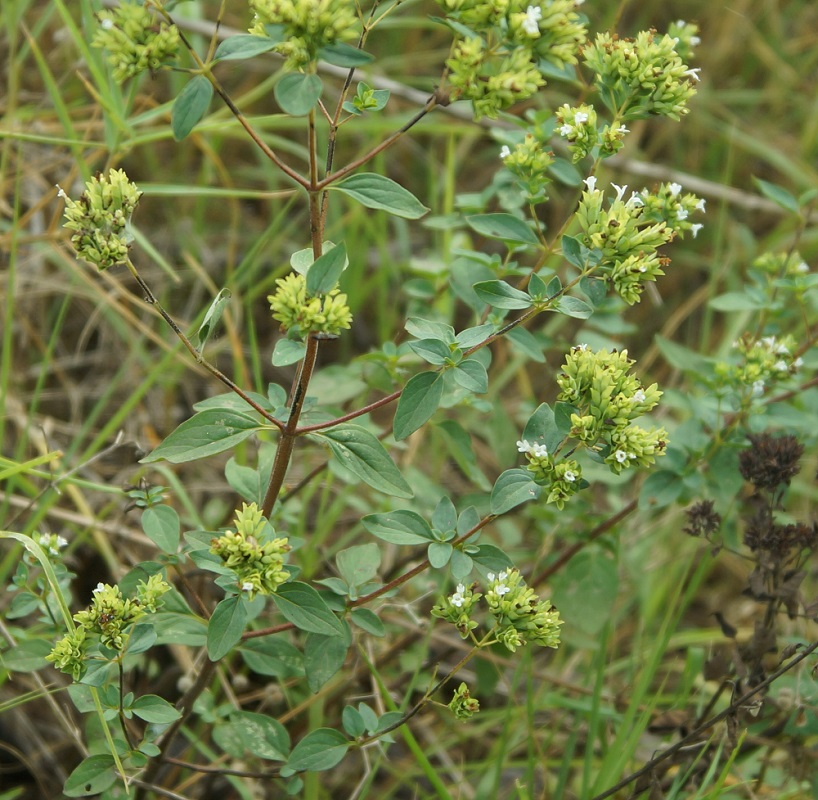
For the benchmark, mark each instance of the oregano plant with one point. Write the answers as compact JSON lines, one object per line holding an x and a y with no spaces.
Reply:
{"x":563,"y":98}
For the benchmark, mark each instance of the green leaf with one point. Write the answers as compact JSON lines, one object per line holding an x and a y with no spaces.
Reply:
{"x":212,"y":317}
{"x":491,"y":558}
{"x":430,"y":329}
{"x":525,"y":342}
{"x":298,"y":92}
{"x":324,"y":272}
{"x":243,"y":45}
{"x":737,"y":301}
{"x":93,"y":775}
{"x":204,"y":434}
{"x":683,"y":358}
{"x":661,"y":488}
{"x":562,"y":417}
{"x":272,"y":656}
{"x":594,"y":288}
{"x":368,"y":621}
{"x":432,"y":350}
{"x":302,"y":260}
{"x":473,"y":336}
{"x":377,"y":191}
{"x":399,"y":527}
{"x":318,"y":750}
{"x":502,"y":226}
{"x":142,"y":638}
{"x":153,"y":708}
{"x":499,"y":294}
{"x":190,"y":106}
{"x":174,"y":628}
{"x":444,"y":517}
{"x":300,"y":604}
{"x":288,"y":351}
{"x":362,"y":454}
{"x":472,"y":375}
{"x":572,"y":251}
{"x":162,"y":527}
{"x":28,"y":655}
{"x":263,"y":736}
{"x":458,"y":444}
{"x":359,"y":564}
{"x":542,"y":428}
{"x":323,"y":657}
{"x":585,"y":590}
{"x":344,"y":55}
{"x":418,"y":401}
{"x":353,"y":722}
{"x":537,"y":287}
{"x":779,"y":196}
{"x":439,"y":554}
{"x":573,"y":307}
{"x":225,"y":627}
{"x":461,"y":565}
{"x":511,"y":489}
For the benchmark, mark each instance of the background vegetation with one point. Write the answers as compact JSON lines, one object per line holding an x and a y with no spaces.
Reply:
{"x":657,"y":622}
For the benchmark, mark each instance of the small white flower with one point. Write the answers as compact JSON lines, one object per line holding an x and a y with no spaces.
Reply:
{"x":505,"y":152}
{"x":632,"y":456}
{"x":44,"y":539}
{"x":798,"y":362}
{"x":635,"y":201}
{"x":621,"y":456}
{"x":802,"y":267}
{"x":581,"y":347}
{"x":674,"y":189}
{"x":700,"y":205}
{"x":503,"y":575}
{"x":693,"y":73}
{"x":531,"y":22}
{"x":247,"y":586}
{"x":682,"y":214}
{"x":581,"y":117}
{"x":491,"y":576}
{"x":100,"y":588}
{"x":680,"y":23}
{"x":570,"y":476}
{"x":782,"y":349}
{"x":523,"y":446}
{"x":107,"y":24}
{"x":622,"y":129}
{"x":620,"y":190}
{"x":501,"y":589}
{"x":62,"y":542}
{"x":769,"y":342}
{"x":590,"y":182}
{"x":695,"y":41}
{"x":457,"y":600}
{"x":566,"y":130}
{"x":61,"y":192}
{"x":695,"y":228}
{"x":758,"y":387}
{"x":781,"y":366}
{"x":639,"y":396}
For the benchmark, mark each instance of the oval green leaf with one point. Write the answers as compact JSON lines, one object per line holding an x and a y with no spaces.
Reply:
{"x":303,"y":606}
{"x":297,"y":92}
{"x":225,"y":627}
{"x":161,"y":526}
{"x":153,"y":708}
{"x":502,"y":226}
{"x":418,"y":401}
{"x":378,"y":191}
{"x":243,"y":45}
{"x":318,"y":750}
{"x":93,"y":775}
{"x":499,"y":294}
{"x":513,"y":488}
{"x":399,"y":527}
{"x":190,"y":106}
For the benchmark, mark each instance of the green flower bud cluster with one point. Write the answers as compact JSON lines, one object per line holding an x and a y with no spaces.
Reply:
{"x":308,"y":25}
{"x":782,"y":265}
{"x":328,"y":313}
{"x":628,"y":232}
{"x":256,"y":558}
{"x":763,"y":362}
{"x":641,"y":76}
{"x":500,"y":65}
{"x":579,"y":126}
{"x":106,"y":620}
{"x":529,"y":162}
{"x":685,"y":34}
{"x":463,"y":705}
{"x":457,"y":609}
{"x":607,"y":399}
{"x":136,"y":38}
{"x":101,"y":217}
{"x":563,"y":479}
{"x":52,"y":544}
{"x":519,"y":614}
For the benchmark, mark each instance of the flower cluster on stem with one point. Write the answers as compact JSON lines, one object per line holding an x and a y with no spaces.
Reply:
{"x":297,"y":311}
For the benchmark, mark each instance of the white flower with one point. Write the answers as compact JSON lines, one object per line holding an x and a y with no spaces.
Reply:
{"x":700,"y":205}
{"x":639,"y":396}
{"x":501,"y":589}
{"x":693,"y":73}
{"x":758,"y":387}
{"x":695,"y":228}
{"x":781,"y":366}
{"x":798,"y":362}
{"x":635,"y":201}
{"x":590,"y":182}
{"x":523,"y":446}
{"x":457,"y":598}
{"x":491,"y":576}
{"x":570,"y":476}
{"x":44,"y":539}
{"x":674,"y":189}
{"x":247,"y":586}
{"x":770,"y":342}
{"x":621,"y":456}
{"x":622,"y":129}
{"x":505,"y":152}
{"x":503,"y":575}
{"x":680,"y":23}
{"x":620,"y":190}
{"x":802,"y":267}
{"x":100,"y":588}
{"x":530,"y":24}
{"x":681,"y":214}
{"x":581,"y":117}
{"x":782,"y":348}
{"x":62,"y":541}
{"x":695,"y":40}
{"x":106,"y":24}
{"x":566,"y":130}
{"x":581,"y":347}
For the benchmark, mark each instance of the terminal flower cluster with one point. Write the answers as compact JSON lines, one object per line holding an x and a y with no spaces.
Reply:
{"x":519,"y":615}
{"x":500,"y":65}
{"x":100,"y":218}
{"x":306,"y":26}
{"x":607,"y":399}
{"x":295,"y":310}
{"x":251,"y":552}
{"x":763,"y":362}
{"x":562,"y":478}
{"x":106,"y":621}
{"x":136,"y":38}
{"x":579,"y":126}
{"x":641,"y":76}
{"x":529,"y":161}
{"x":628,"y":232}
{"x":463,"y":705}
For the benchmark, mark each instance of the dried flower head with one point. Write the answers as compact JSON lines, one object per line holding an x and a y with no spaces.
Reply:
{"x":770,"y":461}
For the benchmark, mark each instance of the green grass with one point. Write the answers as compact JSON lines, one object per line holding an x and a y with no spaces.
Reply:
{"x":83,"y":358}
